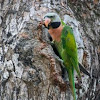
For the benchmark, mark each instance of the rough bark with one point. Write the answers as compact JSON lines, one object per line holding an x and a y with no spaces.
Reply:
{"x":28,"y":68}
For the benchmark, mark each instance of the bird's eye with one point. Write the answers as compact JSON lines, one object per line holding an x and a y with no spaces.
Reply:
{"x":53,"y":16}
{"x":50,"y":16}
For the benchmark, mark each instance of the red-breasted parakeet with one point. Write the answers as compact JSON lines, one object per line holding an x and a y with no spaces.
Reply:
{"x":65,"y":43}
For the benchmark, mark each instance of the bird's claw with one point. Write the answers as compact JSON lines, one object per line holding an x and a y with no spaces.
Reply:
{"x":60,"y":60}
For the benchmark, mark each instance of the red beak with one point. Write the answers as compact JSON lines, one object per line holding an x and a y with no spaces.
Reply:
{"x":47,"y":21}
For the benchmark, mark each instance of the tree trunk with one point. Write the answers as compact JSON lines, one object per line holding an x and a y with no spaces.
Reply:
{"x":28,"y":67}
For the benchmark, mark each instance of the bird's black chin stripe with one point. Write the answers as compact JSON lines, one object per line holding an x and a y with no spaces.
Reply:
{"x":54,"y":25}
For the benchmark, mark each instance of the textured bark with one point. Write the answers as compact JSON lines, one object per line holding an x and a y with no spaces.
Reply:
{"x":28,"y":68}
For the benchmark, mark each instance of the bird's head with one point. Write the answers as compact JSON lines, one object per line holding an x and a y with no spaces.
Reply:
{"x":52,"y":20}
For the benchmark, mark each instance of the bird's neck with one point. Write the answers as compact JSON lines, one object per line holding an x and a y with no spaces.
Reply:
{"x":56,"y":33}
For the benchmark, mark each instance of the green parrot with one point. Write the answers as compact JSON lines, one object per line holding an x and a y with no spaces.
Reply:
{"x":65,"y":44}
{"x":64,"y":41}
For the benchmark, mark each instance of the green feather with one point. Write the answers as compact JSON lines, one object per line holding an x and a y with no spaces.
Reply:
{"x":71,"y":80}
{"x":68,"y":51}
{"x":62,"y":22}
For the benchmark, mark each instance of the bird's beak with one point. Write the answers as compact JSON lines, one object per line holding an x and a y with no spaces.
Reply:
{"x":47,"y":21}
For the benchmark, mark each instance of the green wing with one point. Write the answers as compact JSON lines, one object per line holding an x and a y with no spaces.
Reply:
{"x":69,"y":45}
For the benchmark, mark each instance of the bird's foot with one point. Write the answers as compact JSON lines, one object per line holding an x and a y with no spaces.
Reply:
{"x":60,"y":60}
{"x":50,"y":42}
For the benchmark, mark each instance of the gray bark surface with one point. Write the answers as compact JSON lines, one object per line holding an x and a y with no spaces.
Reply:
{"x":28,"y":67}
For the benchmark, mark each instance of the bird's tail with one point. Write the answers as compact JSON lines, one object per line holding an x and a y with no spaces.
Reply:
{"x":71,"y":80}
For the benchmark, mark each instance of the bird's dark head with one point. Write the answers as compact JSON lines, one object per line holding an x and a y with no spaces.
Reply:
{"x":52,"y":20}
